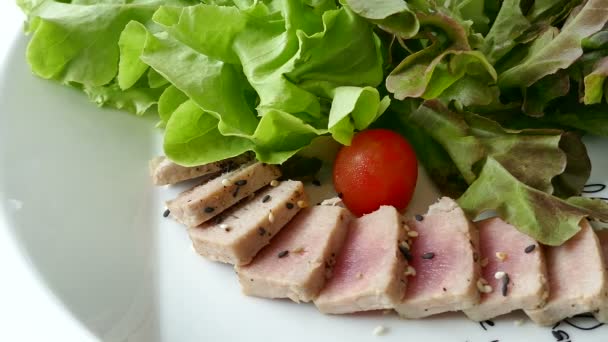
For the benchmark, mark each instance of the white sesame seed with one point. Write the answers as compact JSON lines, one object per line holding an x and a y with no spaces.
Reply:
{"x":499,"y":275}
{"x":406,"y":227}
{"x":483,"y":287}
{"x":410,"y":271}
{"x":518,"y":322}
{"x":224,"y":226}
{"x":302,"y":204}
{"x":226,"y":182}
{"x":412,"y":233}
{"x":502,"y":256}
{"x":480,"y":283}
{"x":484,"y":262}
{"x":271,"y":217}
{"x":379,"y":330}
{"x":298,"y":250}
{"x":274,"y":183}
{"x":192,"y":248}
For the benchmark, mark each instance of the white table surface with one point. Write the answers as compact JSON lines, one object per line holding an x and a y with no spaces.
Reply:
{"x":28,"y":311}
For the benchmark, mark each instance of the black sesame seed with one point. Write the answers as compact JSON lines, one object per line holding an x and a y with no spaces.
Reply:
{"x":261,"y":231}
{"x":283,"y":254}
{"x":166,"y":213}
{"x":340,"y":195}
{"x":505,"y":285}
{"x":236,"y":191}
{"x":266,"y":198}
{"x":241,"y":182}
{"x":209,"y":210}
{"x":530,"y":249}
{"x":405,"y":252}
{"x":218,"y":219}
{"x":428,"y":256}
{"x":289,"y":205}
{"x":316,"y":182}
{"x":475,"y":257}
{"x":419,"y":218}
{"x":444,"y":289}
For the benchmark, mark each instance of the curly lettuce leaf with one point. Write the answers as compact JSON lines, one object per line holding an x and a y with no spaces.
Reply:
{"x":548,"y":219}
{"x":533,"y":156}
{"x":137,"y":100}
{"x":538,"y":96}
{"x":471,"y":91}
{"x":595,"y":83}
{"x":562,"y":51}
{"x":427,"y":74}
{"x":393,"y":16}
{"x":510,"y":24}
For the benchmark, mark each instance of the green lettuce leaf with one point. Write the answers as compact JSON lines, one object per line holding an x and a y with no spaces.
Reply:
{"x":131,"y":44}
{"x":168,"y":102}
{"x":79,"y":43}
{"x":218,"y":88}
{"x":208,"y":29}
{"x":191,"y":131}
{"x":281,"y":135}
{"x":354,"y":108}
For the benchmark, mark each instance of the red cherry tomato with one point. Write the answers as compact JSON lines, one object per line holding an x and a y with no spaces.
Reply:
{"x":378,"y":168}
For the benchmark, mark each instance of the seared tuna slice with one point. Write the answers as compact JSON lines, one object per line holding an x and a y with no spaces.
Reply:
{"x":207,"y":200}
{"x":444,"y":257}
{"x":513,"y":265}
{"x":298,"y":260}
{"x":602,"y":315}
{"x":239,"y":233}
{"x":577,"y":278}
{"x":369,"y":271}
{"x":165,"y":172}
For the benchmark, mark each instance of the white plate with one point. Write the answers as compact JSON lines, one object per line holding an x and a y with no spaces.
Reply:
{"x":76,"y":199}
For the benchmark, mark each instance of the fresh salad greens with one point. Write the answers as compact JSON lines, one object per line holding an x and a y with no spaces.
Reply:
{"x":493,"y":94}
